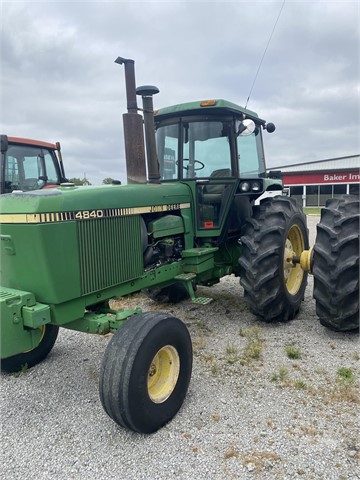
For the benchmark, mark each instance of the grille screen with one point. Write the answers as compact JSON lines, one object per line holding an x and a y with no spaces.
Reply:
{"x":110,"y":252}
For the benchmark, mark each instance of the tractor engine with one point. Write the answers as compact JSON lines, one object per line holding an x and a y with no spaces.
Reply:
{"x":163,"y":240}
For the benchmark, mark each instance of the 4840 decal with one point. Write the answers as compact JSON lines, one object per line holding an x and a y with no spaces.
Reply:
{"x":81,"y":215}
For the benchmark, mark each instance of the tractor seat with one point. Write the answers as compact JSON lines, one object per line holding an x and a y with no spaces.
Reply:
{"x":213,"y":193}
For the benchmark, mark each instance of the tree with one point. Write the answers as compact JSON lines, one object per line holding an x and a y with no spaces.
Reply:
{"x":107,"y":181}
{"x":79,"y":181}
{"x":110,"y":181}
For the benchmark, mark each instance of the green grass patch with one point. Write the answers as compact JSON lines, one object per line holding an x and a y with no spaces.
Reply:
{"x":281,"y":376}
{"x":299,"y":384}
{"x":312,"y":210}
{"x":345,"y":376}
{"x":254,"y":349}
{"x":231,"y":354}
{"x":292,"y":352}
{"x":255,"y":343}
{"x":252,"y":332}
{"x":22,"y":371}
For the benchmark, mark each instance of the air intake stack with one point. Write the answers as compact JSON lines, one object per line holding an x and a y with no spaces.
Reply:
{"x":147,"y":92}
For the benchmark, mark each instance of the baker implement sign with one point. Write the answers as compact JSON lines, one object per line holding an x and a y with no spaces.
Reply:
{"x":321,"y":178}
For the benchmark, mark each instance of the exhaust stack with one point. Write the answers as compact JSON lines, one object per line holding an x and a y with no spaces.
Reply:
{"x":147,"y":92}
{"x":133,"y":128}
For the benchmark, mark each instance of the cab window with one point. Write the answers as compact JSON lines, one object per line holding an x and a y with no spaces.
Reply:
{"x":29,"y":168}
{"x":250,"y":154}
{"x":206,"y":148}
{"x":194,"y":149}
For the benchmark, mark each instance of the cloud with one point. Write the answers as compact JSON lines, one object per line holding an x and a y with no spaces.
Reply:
{"x":59,"y":80}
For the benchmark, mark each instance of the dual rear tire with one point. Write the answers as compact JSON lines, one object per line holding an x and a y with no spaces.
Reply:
{"x":273,"y":285}
{"x":336,"y":264}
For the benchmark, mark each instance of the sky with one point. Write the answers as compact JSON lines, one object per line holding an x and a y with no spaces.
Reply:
{"x":59,"y":81}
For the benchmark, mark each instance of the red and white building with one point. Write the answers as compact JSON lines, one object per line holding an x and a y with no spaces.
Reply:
{"x":313,"y":183}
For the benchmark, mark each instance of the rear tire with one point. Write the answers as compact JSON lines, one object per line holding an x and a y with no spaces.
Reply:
{"x":145,"y":372}
{"x":34,"y":356}
{"x":336,"y":264}
{"x":274,"y":287}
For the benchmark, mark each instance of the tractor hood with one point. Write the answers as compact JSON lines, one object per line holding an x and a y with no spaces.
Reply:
{"x":68,"y":201}
{"x":71,"y":242}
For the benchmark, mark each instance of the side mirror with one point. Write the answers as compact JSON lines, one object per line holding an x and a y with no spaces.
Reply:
{"x":270,"y":127}
{"x":246,"y":127}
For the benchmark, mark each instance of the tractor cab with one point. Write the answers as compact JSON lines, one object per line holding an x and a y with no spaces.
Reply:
{"x":216,"y":148}
{"x":28,"y":165}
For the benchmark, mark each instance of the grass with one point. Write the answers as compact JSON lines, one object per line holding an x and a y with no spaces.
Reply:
{"x":292,"y":352}
{"x":253,"y":332}
{"x":300,"y":385}
{"x":255,"y":343}
{"x":339,"y":393}
{"x":231,"y":453}
{"x":22,"y":371}
{"x":355,"y":355}
{"x":281,"y":376}
{"x":199,"y":344}
{"x":345,"y":376}
{"x":312,"y":210}
{"x":231,"y":354}
{"x":344,"y":389}
{"x":253,"y":349}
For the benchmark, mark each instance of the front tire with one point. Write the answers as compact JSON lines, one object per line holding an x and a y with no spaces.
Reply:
{"x":145,"y":372}
{"x":34,"y":356}
{"x":336,"y":264}
{"x":274,"y":287}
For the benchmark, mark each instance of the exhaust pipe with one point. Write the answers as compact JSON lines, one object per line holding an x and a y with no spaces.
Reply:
{"x":133,"y":128}
{"x":147,"y":92}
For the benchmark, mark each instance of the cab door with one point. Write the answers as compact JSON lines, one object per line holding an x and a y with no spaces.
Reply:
{"x":207,"y":159}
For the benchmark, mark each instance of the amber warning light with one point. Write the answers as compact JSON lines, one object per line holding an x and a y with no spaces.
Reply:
{"x":208,"y":103}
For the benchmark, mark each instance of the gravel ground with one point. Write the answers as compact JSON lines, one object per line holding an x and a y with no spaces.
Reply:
{"x":270,"y":417}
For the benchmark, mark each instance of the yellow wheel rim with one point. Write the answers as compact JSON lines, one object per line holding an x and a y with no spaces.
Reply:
{"x":293,"y":273}
{"x":163,"y":374}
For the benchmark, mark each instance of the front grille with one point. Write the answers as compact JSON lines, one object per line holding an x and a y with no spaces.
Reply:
{"x":110,"y":252}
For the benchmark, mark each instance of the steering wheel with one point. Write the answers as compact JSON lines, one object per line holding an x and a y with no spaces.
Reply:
{"x":202,"y":165}
{"x":29,"y":184}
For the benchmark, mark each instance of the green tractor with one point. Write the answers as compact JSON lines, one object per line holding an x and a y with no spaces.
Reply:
{"x":187,"y":218}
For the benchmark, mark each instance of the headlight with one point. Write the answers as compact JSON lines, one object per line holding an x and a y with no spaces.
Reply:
{"x":256,"y":186}
{"x":244,"y":186}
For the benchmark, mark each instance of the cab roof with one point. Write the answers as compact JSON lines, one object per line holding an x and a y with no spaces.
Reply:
{"x":29,"y":141}
{"x":205,"y":106}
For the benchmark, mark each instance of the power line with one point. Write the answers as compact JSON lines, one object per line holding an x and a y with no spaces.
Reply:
{"x":263,"y":56}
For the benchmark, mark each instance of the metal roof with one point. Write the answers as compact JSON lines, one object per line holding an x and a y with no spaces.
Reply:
{"x":342,"y":163}
{"x":29,"y":141}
